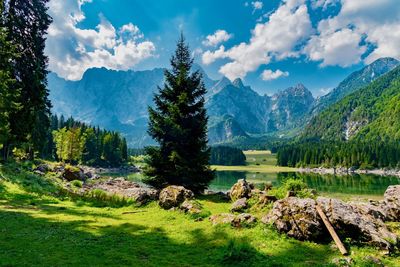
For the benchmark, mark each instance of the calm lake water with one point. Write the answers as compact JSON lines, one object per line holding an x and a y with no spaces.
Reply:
{"x":364,"y":184}
{"x":353,"y":185}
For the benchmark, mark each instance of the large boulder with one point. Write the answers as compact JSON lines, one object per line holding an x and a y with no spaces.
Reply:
{"x":297,"y":218}
{"x":239,"y":204}
{"x":174,"y":196}
{"x":241,"y":189}
{"x":352,"y":221}
{"x":71,"y":173}
{"x":391,"y":203}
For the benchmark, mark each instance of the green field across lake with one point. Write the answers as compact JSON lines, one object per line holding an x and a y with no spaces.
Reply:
{"x":257,"y":161}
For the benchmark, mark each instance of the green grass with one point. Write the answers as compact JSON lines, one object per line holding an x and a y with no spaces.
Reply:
{"x":41,"y":226}
{"x":257,"y":161}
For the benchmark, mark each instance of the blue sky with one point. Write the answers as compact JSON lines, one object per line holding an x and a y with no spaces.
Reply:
{"x":271,"y":44}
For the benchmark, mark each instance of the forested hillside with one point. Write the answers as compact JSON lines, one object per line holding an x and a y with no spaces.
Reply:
{"x":370,"y":113}
{"x":362,"y":130}
{"x":76,"y":142}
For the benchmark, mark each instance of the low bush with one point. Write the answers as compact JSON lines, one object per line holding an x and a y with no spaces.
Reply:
{"x":297,"y":186}
{"x":77,"y":183}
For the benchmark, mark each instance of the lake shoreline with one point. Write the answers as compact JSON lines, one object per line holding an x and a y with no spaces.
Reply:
{"x":350,"y":171}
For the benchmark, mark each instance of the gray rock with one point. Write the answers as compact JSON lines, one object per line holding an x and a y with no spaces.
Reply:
{"x":239,"y":205}
{"x":174,"y":196}
{"x":244,"y":220}
{"x":223,"y":218}
{"x":391,"y":203}
{"x":241,"y":220}
{"x":353,"y":221}
{"x":191,"y":207}
{"x":240,"y":190}
{"x":141,"y":195}
{"x":297,"y":218}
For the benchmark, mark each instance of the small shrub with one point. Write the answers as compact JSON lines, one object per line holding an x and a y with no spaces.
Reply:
{"x":295,"y":185}
{"x":298,"y":186}
{"x":77,"y":183}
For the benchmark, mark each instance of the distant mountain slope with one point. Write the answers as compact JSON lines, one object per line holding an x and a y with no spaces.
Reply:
{"x":115,"y":100}
{"x":118,"y":100}
{"x":355,"y":81}
{"x":258,"y":114}
{"x":373,"y":112}
{"x":289,"y":108}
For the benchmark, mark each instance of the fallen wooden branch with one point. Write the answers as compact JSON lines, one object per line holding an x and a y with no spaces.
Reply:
{"x":132,"y":212}
{"x":331,"y":231}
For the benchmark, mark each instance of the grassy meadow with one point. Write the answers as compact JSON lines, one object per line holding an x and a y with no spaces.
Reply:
{"x":257,"y":161}
{"x":42,"y":226}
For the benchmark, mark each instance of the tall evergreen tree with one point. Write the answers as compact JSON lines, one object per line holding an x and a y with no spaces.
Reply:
{"x":179,"y":124}
{"x":27,"y":24}
{"x":9,"y":94}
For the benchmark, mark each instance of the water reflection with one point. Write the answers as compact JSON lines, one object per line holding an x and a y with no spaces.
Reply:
{"x":363,"y":184}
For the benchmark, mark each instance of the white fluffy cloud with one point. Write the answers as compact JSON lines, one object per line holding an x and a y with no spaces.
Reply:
{"x":361,"y":31}
{"x":343,"y":39}
{"x":257,"y":5}
{"x":338,"y":48}
{"x":73,"y":50}
{"x":218,"y":37}
{"x":268,"y":75}
{"x":286,"y":28}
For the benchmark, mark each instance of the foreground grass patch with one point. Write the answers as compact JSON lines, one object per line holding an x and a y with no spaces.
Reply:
{"x":38,"y":229}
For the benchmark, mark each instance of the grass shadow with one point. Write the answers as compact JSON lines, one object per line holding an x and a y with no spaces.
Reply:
{"x":32,"y":241}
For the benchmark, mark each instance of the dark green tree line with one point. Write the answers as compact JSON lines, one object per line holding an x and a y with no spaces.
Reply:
{"x":359,"y":154}
{"x":179,"y":124}
{"x":225,"y":155}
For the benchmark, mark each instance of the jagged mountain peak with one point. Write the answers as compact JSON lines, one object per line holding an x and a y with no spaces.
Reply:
{"x":238,"y":83}
{"x":296,"y":90}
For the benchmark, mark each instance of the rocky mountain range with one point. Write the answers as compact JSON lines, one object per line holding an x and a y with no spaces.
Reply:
{"x":118,"y":100}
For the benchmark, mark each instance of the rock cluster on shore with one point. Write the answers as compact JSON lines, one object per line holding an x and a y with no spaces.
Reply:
{"x":364,"y":222}
{"x":140,"y":194}
{"x":350,"y":171}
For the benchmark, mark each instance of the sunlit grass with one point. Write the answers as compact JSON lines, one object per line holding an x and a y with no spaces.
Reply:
{"x":53,"y":230}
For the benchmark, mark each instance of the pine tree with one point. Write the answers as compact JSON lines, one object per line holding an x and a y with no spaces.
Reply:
{"x":9,"y":94}
{"x":179,"y":124}
{"x":27,"y":23}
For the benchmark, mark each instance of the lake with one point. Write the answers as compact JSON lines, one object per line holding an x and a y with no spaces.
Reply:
{"x":363,"y":185}
{"x":367,"y":185}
